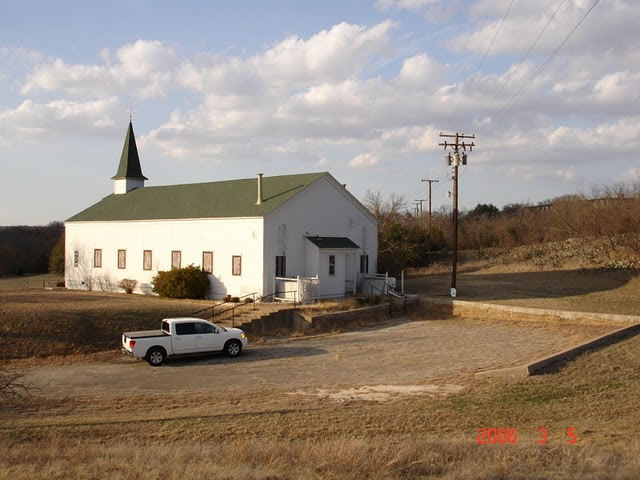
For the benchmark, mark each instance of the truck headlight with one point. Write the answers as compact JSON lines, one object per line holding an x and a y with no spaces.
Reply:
{"x":242,"y":335}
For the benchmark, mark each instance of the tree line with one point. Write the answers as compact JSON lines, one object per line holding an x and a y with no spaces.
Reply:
{"x":27,"y":249}
{"x":406,"y":241}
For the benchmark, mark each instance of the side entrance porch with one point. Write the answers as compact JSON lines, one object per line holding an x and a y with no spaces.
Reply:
{"x":330,"y":271}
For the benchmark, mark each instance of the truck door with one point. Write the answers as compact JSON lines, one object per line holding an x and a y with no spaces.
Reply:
{"x":184,"y":339}
{"x":208,"y":338}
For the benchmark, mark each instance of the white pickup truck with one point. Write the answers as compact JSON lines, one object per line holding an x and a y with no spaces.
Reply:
{"x":183,"y":336}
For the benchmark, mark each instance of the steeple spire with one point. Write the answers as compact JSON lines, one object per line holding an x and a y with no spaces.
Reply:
{"x":129,"y":174}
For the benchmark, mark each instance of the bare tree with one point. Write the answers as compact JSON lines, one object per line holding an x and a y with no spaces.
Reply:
{"x":385,"y":210}
{"x":13,"y":386}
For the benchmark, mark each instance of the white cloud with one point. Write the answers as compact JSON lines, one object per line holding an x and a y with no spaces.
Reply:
{"x":413,"y":5}
{"x":32,"y":120}
{"x":566,"y":173}
{"x":143,"y":69}
{"x":420,"y":71}
{"x":311,"y":99}
{"x":610,"y":26}
{"x":436,"y":11}
{"x":363,"y":160}
{"x":328,"y":56}
{"x":623,"y":135}
{"x":19,"y":55}
{"x":618,"y":87}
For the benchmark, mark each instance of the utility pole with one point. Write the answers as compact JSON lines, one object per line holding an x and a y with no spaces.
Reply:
{"x":430,"y":182}
{"x":456,"y":160}
{"x":423,"y":200}
{"x":416,"y":209}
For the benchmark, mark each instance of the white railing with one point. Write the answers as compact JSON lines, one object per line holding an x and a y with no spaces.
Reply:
{"x":301,"y":289}
{"x":376,"y":282}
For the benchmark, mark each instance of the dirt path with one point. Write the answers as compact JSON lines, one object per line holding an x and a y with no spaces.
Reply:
{"x":401,"y":353}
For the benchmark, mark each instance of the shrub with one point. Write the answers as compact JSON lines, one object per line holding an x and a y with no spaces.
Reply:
{"x":128,"y":284}
{"x":187,"y":282}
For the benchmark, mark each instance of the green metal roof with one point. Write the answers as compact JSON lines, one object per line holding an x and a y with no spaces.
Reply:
{"x":332,"y":242}
{"x":129,"y":166}
{"x":232,"y":198}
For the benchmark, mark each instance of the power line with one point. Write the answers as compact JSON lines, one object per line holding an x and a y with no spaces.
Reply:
{"x":486,"y":53}
{"x":526,"y":55}
{"x":548,"y":60}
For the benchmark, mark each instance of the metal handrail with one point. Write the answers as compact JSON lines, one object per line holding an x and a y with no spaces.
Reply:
{"x":390,"y":298}
{"x":389,"y":287}
{"x":213,"y":312}
{"x":271,"y":295}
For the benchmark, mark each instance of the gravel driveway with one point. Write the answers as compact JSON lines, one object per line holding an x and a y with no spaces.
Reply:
{"x":398,"y":353}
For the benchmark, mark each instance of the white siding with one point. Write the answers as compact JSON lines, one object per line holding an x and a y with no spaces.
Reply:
{"x":124,"y":185}
{"x":224,"y":237}
{"x":332,"y":285}
{"x":326,"y":209}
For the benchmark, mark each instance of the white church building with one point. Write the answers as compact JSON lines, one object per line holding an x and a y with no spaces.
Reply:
{"x":259,"y":235}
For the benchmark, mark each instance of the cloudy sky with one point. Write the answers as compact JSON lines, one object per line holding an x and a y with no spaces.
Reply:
{"x":223,"y":90}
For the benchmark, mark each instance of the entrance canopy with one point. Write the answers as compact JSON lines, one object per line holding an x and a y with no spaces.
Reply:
{"x":333,"y":243}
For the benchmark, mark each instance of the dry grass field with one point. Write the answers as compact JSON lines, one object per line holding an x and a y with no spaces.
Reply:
{"x":41,"y":323}
{"x":276,"y":432}
{"x":272,"y":434}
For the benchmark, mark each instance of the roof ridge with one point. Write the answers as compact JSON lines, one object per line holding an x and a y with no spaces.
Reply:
{"x":237,"y":180}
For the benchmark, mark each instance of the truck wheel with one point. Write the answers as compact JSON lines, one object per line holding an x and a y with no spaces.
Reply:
{"x":156,"y":356}
{"x":232,"y":348}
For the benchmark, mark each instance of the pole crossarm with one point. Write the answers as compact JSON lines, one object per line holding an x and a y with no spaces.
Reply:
{"x":457,"y":144}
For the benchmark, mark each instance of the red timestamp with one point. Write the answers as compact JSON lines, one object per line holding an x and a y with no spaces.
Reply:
{"x":502,"y":436}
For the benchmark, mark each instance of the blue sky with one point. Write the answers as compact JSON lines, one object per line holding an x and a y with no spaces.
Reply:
{"x":223,"y":90}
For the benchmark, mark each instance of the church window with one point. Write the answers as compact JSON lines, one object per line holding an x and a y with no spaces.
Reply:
{"x":207,"y":262}
{"x":122,"y":259}
{"x":146,"y":260}
{"x":176,"y":259}
{"x":236,"y":265}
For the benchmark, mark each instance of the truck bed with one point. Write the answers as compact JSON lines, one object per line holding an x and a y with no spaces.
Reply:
{"x":146,"y":334}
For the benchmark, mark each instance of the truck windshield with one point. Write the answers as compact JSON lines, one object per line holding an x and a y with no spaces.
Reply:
{"x":165,"y":327}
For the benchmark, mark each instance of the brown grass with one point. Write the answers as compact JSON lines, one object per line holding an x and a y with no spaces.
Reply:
{"x":228,"y":434}
{"x":57,"y":323}
{"x":586,"y":290}
{"x":343,"y":458}
{"x":29,"y":281}
{"x":39,"y":323}
{"x":273,"y":433}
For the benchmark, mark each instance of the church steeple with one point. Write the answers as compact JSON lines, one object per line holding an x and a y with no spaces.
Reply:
{"x":129,"y":174}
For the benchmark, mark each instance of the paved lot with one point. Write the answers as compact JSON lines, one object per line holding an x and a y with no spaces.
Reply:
{"x":395,"y":354}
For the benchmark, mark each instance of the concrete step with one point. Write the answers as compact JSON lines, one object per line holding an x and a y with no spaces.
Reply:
{"x":247,"y":314}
